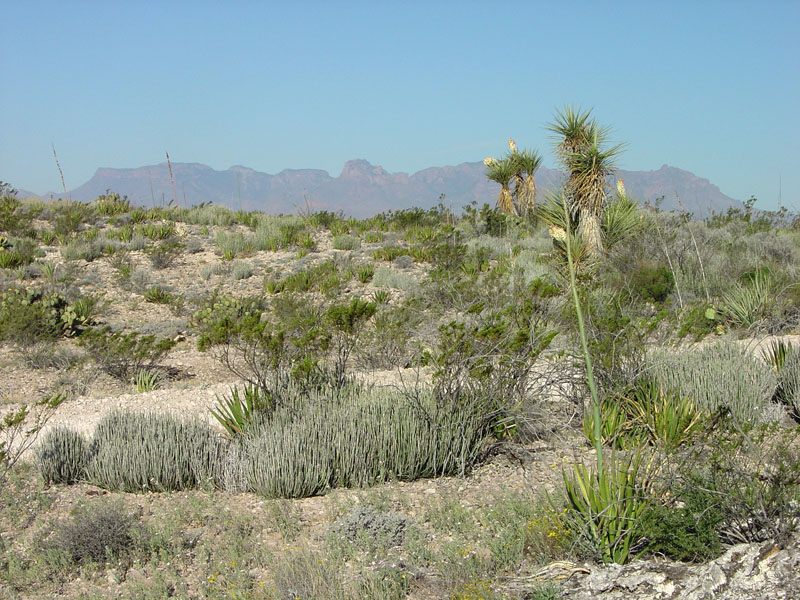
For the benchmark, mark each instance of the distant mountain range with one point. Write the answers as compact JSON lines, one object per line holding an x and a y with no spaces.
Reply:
{"x":363,"y":189}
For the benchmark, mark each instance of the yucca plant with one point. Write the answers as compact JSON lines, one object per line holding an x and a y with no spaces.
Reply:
{"x":527,"y":162}
{"x":502,"y":172}
{"x":580,"y":148}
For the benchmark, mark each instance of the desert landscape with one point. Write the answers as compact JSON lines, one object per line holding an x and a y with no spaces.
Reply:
{"x":556,"y":395}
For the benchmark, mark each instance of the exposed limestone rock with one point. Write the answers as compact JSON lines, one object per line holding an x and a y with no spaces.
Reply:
{"x":744,"y":572}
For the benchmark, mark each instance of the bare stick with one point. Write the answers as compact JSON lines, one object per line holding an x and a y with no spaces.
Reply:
{"x":696,"y":249}
{"x":172,"y":181}
{"x":60,"y":172}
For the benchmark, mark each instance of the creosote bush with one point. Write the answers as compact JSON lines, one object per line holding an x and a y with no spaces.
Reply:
{"x":124,"y":355}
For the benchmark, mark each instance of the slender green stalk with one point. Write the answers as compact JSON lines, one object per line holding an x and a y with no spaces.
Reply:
{"x":598,"y":443}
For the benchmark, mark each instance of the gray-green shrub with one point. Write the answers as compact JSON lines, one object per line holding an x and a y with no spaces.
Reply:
{"x":62,"y":456}
{"x":138,"y":452}
{"x":722,"y":375}
{"x":363,"y":440}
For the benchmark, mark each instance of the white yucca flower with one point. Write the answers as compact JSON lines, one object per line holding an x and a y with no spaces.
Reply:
{"x":558,"y":233}
{"x":621,"y":187}
{"x":489,"y":161}
{"x":512,"y":145}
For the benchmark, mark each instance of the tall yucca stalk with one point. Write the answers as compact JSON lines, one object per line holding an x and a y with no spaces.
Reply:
{"x":502,"y":172}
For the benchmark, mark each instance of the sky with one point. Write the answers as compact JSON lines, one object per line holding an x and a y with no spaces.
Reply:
{"x":709,"y":87}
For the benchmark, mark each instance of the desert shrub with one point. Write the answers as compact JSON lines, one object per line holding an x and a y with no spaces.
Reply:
{"x":20,"y":427}
{"x":388,"y":277}
{"x":381,"y":530}
{"x":28,"y":316}
{"x":209,"y":215}
{"x":14,"y":217}
{"x":70,"y":216}
{"x":346,"y":320}
{"x":346,"y":242}
{"x":697,"y":320}
{"x":123,"y":355}
{"x":83,"y":249}
{"x":156,"y":231}
{"x":95,"y":533}
{"x":138,"y":242}
{"x":110,"y":204}
{"x":685,"y":531}
{"x":164,"y":254}
{"x":373,"y":237}
{"x":62,"y":456}
{"x":193,"y":245}
{"x":387,"y":336}
{"x":719,"y":376}
{"x":361,"y":441}
{"x":741,"y":488}
{"x":652,"y":282}
{"x":230,"y":243}
{"x":138,"y":452}
{"x":241,"y":269}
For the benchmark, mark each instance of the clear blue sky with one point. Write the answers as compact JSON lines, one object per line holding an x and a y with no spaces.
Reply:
{"x":710,"y":87}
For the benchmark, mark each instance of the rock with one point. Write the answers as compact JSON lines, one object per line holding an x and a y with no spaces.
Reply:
{"x":744,"y":572}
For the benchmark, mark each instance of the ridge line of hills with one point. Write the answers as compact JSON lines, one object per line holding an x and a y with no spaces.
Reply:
{"x":363,"y":189}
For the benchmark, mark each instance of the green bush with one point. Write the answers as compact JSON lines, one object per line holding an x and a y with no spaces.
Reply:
{"x":685,"y":531}
{"x":28,"y":316}
{"x":138,"y":452}
{"x":62,"y":456}
{"x":14,"y":218}
{"x":652,"y":282}
{"x":123,"y":355}
{"x":110,"y":204}
{"x":719,"y":376}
